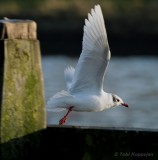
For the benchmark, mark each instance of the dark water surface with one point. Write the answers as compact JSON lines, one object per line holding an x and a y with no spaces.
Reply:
{"x":135,"y":79}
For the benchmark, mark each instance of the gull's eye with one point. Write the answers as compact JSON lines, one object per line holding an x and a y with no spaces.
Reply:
{"x":117,"y":100}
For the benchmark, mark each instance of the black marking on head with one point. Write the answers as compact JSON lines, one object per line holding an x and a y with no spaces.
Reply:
{"x":115,"y":99}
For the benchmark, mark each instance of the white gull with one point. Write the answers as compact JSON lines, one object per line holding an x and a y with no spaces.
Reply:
{"x":85,"y":83}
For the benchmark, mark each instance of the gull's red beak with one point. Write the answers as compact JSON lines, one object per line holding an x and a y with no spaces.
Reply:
{"x":124,"y":104}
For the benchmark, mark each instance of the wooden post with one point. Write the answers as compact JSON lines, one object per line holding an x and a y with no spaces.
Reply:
{"x":22,"y":107}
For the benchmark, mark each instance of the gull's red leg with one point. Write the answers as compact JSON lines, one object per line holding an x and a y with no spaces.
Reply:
{"x":63,"y":120}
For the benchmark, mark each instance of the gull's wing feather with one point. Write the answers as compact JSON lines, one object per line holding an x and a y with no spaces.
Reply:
{"x":69,"y":74}
{"x":95,"y":55}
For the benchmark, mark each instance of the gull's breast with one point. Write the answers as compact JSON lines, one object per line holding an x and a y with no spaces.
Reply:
{"x":90,"y":103}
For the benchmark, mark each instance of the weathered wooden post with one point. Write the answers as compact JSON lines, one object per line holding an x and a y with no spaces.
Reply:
{"x":22,"y":107}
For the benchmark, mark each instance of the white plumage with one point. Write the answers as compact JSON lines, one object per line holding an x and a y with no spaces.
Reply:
{"x":69,"y":74}
{"x":85,"y":82}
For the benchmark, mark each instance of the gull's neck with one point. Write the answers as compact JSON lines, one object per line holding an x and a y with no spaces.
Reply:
{"x":108,"y":99}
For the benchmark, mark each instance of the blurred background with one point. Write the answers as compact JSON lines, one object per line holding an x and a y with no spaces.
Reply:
{"x":132,"y":28}
{"x":132,"y":25}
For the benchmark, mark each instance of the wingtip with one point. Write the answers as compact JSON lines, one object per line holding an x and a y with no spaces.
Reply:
{"x":69,"y":69}
{"x":97,"y":6}
{"x":96,"y":9}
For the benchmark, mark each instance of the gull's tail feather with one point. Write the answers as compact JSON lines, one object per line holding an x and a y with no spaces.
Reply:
{"x":55,"y":109}
{"x":57,"y":103}
{"x":69,"y":74}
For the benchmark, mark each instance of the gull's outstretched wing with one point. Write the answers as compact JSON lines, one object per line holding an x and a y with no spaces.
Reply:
{"x":89,"y":72}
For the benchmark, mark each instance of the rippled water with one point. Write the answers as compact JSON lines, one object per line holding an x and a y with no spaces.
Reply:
{"x":135,"y":79}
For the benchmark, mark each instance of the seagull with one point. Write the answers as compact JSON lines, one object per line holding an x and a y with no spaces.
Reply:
{"x":85,"y":82}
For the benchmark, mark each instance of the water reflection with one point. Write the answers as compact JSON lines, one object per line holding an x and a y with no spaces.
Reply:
{"x":134,"y":79}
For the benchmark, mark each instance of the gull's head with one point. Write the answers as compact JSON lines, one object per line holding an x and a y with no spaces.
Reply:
{"x":117,"y":101}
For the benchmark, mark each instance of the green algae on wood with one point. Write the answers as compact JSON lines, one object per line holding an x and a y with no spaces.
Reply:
{"x":23,"y":99}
